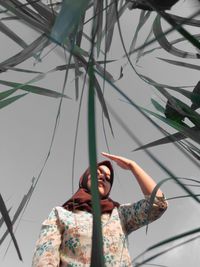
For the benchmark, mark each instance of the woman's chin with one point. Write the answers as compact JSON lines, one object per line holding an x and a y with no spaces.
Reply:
{"x":102,"y":192}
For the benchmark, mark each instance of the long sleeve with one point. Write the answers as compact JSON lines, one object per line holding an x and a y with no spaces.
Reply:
{"x":136,"y":215}
{"x":47,"y":252}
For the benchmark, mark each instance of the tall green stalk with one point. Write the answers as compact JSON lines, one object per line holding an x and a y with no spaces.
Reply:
{"x":97,"y":259}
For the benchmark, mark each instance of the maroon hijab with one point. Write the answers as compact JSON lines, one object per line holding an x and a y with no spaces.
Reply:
{"x":82,"y":199}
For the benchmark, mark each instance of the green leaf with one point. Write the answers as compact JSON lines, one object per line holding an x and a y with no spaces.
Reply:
{"x":192,"y":132}
{"x":2,"y":219}
{"x":144,"y":262}
{"x":162,"y":40}
{"x":26,"y":53}
{"x":142,"y":20}
{"x":7,"y":93}
{"x":20,"y":208}
{"x":10,"y":100}
{"x":97,"y":258}
{"x":43,"y":10}
{"x":174,"y":238}
{"x":158,"y":106}
{"x":8,"y":223}
{"x":177,"y":26}
{"x":98,"y":23}
{"x":181,"y":64}
{"x":68,"y":19}
{"x":31,"y":18}
{"x":33,"y":89}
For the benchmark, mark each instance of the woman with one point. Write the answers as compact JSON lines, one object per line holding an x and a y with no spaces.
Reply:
{"x":65,"y":237}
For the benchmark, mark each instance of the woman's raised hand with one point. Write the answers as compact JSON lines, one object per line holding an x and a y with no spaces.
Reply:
{"x":124,"y":163}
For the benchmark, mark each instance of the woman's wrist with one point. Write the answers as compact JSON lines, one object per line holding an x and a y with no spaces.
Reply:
{"x":132,"y":166}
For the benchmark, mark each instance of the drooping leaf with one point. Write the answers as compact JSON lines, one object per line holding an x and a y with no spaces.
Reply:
{"x":109,"y":30}
{"x":26,"y":53}
{"x":185,"y":21}
{"x":192,"y":132}
{"x":165,"y":140}
{"x":8,"y":223}
{"x":98,"y":23}
{"x":68,"y":19}
{"x":24,"y":70}
{"x":176,"y":41}
{"x":182,"y":109}
{"x":172,"y":113}
{"x":181,"y":64}
{"x":144,"y":262}
{"x":33,"y":89}
{"x":20,"y":208}
{"x":2,"y":219}
{"x":7,"y":93}
{"x":195,"y":97}
{"x":154,"y":83}
{"x":155,"y":159}
{"x":114,"y":16}
{"x":7,"y":31}
{"x":99,"y":93}
{"x":43,"y":10}
{"x":10,"y":100}
{"x":141,"y":51}
{"x":142,"y":20}
{"x":29,"y":17}
{"x":162,"y":40}
{"x":174,"y":238}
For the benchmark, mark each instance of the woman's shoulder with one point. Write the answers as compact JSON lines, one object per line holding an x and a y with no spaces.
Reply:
{"x":59,"y":211}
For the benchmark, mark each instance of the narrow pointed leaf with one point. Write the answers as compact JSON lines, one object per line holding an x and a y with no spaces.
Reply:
{"x":144,"y":262}
{"x":34,"y":22}
{"x":98,"y":23}
{"x":24,"y":70}
{"x":2,"y":219}
{"x":10,"y":100}
{"x":176,"y":41}
{"x":192,"y":132}
{"x":181,"y":64}
{"x":7,"y":31}
{"x":109,"y":30}
{"x":141,"y":51}
{"x":33,"y":89}
{"x":7,"y":93}
{"x":174,"y":238}
{"x":165,"y":140}
{"x":162,"y":40}
{"x":8,"y":223}
{"x":112,"y":20}
{"x":28,"y":52}
{"x":142,"y":20}
{"x":42,"y":9}
{"x":20,"y":208}
{"x":176,"y":26}
{"x":182,"y":20}
{"x":68,"y":19}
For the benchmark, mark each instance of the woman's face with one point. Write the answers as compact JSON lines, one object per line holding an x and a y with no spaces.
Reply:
{"x":103,"y":176}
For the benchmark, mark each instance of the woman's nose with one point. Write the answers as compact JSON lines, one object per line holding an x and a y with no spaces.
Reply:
{"x":101,"y":176}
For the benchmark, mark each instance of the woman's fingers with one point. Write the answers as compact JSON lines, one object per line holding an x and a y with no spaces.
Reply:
{"x":121,"y":161}
{"x":110,"y":156}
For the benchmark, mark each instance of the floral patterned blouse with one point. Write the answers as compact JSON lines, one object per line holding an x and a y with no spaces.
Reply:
{"x":65,"y":237}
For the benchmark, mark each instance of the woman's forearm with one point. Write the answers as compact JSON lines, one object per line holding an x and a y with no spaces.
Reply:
{"x":146,"y":182}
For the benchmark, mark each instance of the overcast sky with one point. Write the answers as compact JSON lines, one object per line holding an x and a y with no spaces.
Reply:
{"x":26,"y":131}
